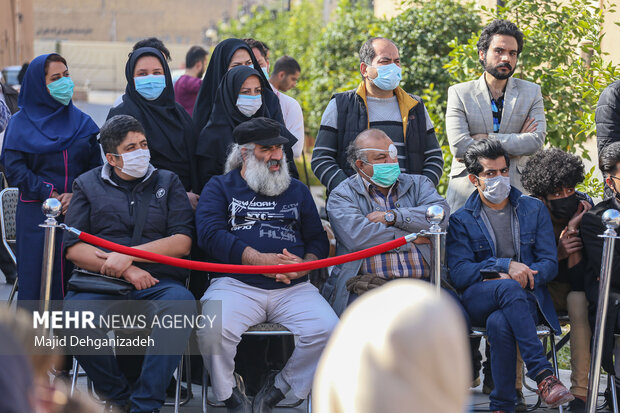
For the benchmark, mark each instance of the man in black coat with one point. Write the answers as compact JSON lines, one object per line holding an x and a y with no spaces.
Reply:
{"x":608,"y":116}
{"x":591,"y":228}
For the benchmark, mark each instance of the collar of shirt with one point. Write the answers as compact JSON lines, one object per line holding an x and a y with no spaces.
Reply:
{"x":275,"y":90}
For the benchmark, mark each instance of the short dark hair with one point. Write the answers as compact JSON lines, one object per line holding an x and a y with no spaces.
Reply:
{"x":489,"y":148}
{"x":504,"y":27}
{"x":608,"y":158}
{"x":262,"y":47}
{"x":194,"y":55}
{"x":367,"y":51}
{"x":54,"y":57}
{"x":115,"y":130}
{"x":286,"y":64}
{"x":551,"y":169}
{"x":155,"y":43}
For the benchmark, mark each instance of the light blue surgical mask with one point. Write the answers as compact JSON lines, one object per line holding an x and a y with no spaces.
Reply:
{"x":388,"y":76}
{"x":384,"y":174}
{"x":151,"y":86}
{"x":496,"y":189}
{"x":251,"y":65}
{"x":62,"y":90}
{"x":264,"y":69}
{"x":249,"y":105}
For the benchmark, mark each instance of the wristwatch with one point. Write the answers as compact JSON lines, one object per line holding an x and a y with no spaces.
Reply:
{"x":390,"y":217}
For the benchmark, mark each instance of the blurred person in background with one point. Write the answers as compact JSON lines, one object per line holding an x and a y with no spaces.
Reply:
{"x":187,"y":86}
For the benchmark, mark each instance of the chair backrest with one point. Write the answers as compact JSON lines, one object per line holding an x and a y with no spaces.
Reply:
{"x":8,"y":210}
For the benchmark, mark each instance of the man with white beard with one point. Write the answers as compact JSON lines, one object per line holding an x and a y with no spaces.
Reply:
{"x":256,"y":214}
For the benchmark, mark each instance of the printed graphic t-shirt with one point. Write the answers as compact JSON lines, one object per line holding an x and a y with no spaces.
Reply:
{"x":230,"y":217}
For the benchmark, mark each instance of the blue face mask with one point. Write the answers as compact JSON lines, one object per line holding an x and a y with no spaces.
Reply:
{"x":264,"y":69}
{"x":151,"y":86}
{"x":62,"y":90}
{"x":384,"y":174}
{"x":249,"y":105}
{"x":388,"y":77}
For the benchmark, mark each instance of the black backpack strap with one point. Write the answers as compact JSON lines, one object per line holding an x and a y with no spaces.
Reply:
{"x":142,"y":210}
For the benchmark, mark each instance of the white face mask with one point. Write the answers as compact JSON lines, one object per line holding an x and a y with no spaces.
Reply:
{"x":135,"y":163}
{"x":497,"y":189}
{"x":249,"y":105}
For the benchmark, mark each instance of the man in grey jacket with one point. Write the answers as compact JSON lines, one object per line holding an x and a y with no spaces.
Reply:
{"x":376,"y":205}
{"x":496,"y":105}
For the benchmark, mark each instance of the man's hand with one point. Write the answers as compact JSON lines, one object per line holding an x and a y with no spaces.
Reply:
{"x":575,"y":221}
{"x":139,"y":278}
{"x":529,"y":126}
{"x":253,"y":257}
{"x":569,"y":243}
{"x":65,"y":200}
{"x":287,"y":277}
{"x":479,"y":136}
{"x":421,"y":240}
{"x":115,"y":264}
{"x":377,"y":216}
{"x":522,"y":274}
{"x":193,"y":199}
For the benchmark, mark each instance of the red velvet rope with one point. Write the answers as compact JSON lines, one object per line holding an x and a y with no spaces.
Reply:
{"x":242,"y":269}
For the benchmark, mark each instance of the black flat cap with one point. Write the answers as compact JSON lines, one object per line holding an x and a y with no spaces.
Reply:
{"x":262,"y":131}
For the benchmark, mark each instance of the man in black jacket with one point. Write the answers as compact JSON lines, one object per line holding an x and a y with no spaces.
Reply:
{"x":111,"y":201}
{"x":607,"y":116}
{"x":591,"y":228}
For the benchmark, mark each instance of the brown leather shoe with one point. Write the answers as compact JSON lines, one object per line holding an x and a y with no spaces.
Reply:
{"x":553,"y":392}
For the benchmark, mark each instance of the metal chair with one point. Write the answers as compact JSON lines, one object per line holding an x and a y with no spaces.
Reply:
{"x":262,"y":329}
{"x":8,"y":227}
{"x":177,"y":394}
{"x":544,"y":332}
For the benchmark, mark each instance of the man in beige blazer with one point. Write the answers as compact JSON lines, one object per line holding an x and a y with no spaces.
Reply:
{"x":494,"y":105}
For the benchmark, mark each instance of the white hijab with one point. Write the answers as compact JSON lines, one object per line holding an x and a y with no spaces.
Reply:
{"x":399,"y":348}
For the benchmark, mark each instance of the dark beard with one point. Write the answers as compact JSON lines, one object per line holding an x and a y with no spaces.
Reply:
{"x":493,"y":71}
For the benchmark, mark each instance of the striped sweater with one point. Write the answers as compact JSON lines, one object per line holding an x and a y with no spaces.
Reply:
{"x":383,"y":114}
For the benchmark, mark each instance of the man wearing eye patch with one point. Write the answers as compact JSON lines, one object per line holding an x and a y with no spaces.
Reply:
{"x":551,"y":175}
{"x":376,"y":205}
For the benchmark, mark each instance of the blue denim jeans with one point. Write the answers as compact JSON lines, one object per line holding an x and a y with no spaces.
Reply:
{"x":510,"y":316}
{"x":149,"y":392}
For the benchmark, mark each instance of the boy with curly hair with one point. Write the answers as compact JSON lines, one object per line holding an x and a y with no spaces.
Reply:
{"x":551,"y":175}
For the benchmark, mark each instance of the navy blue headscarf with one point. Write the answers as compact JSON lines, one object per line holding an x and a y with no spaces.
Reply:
{"x":44,"y":125}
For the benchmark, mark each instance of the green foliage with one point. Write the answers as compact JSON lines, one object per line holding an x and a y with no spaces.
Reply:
{"x":334,"y":65}
{"x":591,"y":185}
{"x":423,"y":33}
{"x":554,"y":31}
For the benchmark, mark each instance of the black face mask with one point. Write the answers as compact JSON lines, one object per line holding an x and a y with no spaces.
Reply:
{"x":564,"y":208}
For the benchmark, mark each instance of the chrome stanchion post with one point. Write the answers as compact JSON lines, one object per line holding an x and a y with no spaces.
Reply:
{"x":435,"y":216}
{"x":51,"y":209}
{"x":611,"y":219}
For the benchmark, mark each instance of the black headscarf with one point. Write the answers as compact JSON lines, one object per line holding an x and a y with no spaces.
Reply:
{"x":169,"y":129}
{"x":218,"y":66}
{"x":216,"y":138}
